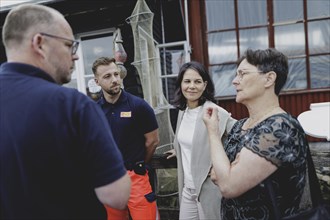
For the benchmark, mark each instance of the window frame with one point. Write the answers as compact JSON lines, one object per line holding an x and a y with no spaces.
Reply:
{"x":271,"y":40}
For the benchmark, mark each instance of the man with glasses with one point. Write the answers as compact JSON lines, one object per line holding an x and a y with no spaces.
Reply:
{"x":58,"y":158}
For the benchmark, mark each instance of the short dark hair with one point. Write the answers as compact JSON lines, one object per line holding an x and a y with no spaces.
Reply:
{"x":180,"y":101}
{"x":269,"y":60}
{"x":102,"y":61}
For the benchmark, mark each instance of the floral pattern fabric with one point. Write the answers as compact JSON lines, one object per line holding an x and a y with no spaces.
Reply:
{"x":281,"y":140}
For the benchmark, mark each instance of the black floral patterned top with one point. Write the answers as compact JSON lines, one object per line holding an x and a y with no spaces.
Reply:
{"x":281,"y":140}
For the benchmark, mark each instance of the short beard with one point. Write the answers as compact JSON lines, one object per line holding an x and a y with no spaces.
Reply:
{"x":113,"y":92}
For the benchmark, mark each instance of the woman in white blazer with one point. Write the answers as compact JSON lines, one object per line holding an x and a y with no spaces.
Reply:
{"x":199,"y":196}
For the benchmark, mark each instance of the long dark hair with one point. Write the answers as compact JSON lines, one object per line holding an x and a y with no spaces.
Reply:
{"x":180,"y":101}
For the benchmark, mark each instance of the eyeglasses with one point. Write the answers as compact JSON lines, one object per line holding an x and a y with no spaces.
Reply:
{"x":74,"y":43}
{"x":240,"y":74}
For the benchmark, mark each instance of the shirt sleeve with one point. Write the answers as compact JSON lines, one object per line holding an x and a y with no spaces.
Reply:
{"x":105,"y":162}
{"x":278,"y":139}
{"x":147,"y":118}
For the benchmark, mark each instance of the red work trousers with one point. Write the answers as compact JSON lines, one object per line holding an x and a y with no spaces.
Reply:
{"x":138,"y":206}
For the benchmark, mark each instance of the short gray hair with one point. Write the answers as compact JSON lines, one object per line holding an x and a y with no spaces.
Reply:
{"x":23,"y":19}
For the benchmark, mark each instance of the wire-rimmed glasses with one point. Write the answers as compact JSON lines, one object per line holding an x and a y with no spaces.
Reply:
{"x":240,"y":74}
{"x":74,"y":46}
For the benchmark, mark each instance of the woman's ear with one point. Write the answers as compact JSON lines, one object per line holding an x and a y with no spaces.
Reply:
{"x":205,"y":84}
{"x":270,"y":78}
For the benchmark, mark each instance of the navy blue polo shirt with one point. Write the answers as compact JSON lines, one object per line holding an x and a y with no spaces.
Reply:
{"x":130,"y":118}
{"x":56,"y":147}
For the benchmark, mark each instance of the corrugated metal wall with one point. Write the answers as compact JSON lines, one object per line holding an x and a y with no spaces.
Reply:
{"x":295,"y":104}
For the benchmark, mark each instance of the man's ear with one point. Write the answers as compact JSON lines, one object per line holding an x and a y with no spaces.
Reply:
{"x":96,"y":81}
{"x":270,"y":78}
{"x":37,"y":44}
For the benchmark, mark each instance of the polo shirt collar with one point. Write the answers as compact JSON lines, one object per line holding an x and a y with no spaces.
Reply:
{"x":25,"y":69}
{"x":122,"y":98}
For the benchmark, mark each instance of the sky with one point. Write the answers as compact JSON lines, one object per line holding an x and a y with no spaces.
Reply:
{"x":4,"y":3}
